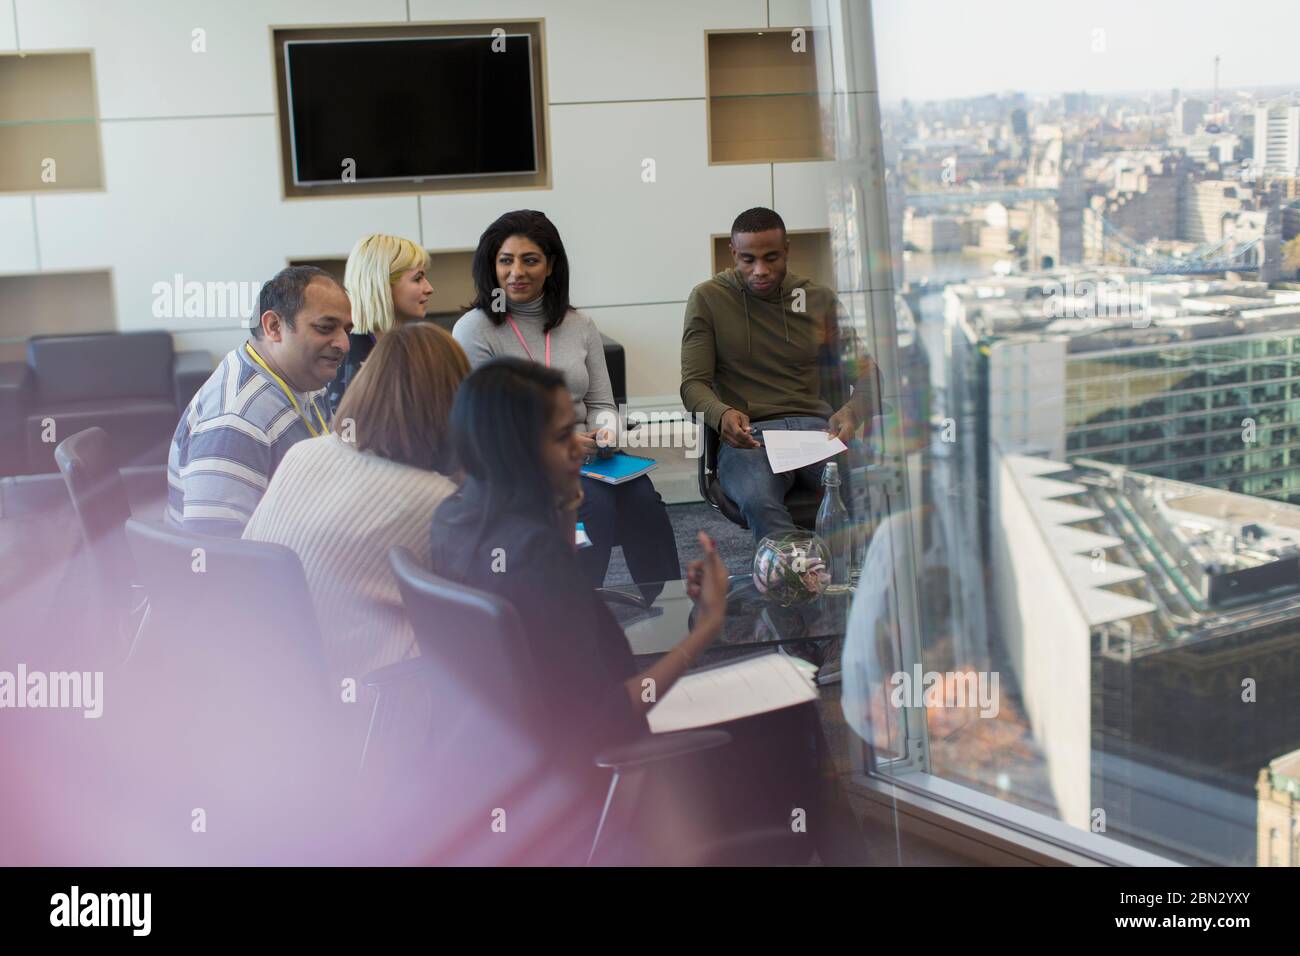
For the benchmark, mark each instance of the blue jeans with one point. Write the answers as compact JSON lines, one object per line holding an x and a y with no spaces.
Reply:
{"x":747,"y":479}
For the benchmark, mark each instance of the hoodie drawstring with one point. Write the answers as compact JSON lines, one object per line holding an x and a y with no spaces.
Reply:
{"x":749,"y":335}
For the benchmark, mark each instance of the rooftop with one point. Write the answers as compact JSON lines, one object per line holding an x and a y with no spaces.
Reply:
{"x":1158,"y":563}
{"x":1285,"y":771}
{"x":1105,"y":309}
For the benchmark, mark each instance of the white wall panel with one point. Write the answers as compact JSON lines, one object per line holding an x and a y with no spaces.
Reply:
{"x":144,"y":62}
{"x":192,"y":183}
{"x":628,"y":241}
{"x":651,"y":336}
{"x":636,"y":242}
{"x":799,"y":193}
{"x":198,"y":197}
{"x":7,"y":40}
{"x":17,"y":240}
{"x":615,"y":49}
{"x":796,"y":13}
{"x":456,"y":221}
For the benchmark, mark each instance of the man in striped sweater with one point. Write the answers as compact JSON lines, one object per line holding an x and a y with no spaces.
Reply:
{"x":264,"y":397}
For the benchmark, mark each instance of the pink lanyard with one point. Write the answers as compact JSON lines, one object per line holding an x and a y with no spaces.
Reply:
{"x":511,"y":319}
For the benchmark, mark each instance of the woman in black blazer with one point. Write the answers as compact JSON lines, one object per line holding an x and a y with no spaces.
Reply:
{"x":510,"y":531}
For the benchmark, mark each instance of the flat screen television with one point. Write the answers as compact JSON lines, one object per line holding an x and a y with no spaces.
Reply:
{"x":410,"y":109}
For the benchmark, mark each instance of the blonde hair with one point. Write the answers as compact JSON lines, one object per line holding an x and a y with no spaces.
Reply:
{"x":375,"y":263}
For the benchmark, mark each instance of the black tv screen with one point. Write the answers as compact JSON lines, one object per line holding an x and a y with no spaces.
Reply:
{"x":427,"y":108}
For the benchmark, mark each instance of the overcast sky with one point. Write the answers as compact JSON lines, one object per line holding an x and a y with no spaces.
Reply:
{"x":941,"y":49}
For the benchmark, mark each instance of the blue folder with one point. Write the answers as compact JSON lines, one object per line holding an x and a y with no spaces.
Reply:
{"x":618,"y":468}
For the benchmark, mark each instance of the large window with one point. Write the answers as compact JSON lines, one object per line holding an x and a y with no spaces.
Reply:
{"x":1085,"y":228}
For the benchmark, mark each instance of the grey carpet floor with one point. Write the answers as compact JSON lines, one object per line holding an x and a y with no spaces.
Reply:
{"x":735,"y":544}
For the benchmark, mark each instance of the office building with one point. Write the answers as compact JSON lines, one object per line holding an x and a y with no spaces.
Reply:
{"x":1205,"y":204}
{"x":1144,"y":202}
{"x":1074,"y":103}
{"x":1290,"y":221}
{"x":1189,"y":115}
{"x":1077,"y":364}
{"x":1278,"y":819}
{"x":1181,"y":378}
{"x":1154,"y":628}
{"x":1277,"y":138}
{"x":934,"y":233}
{"x":1218,"y":149}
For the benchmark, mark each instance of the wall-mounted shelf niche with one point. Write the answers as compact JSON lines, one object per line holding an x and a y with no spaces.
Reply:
{"x":766,"y":104}
{"x":49,"y":123}
{"x":53,"y":303}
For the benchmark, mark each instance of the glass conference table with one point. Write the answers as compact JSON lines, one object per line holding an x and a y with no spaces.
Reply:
{"x":753,"y":622}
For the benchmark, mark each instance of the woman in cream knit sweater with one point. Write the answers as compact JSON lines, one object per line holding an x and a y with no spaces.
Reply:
{"x":342,"y":500}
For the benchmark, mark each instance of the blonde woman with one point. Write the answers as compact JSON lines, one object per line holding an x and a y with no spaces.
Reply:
{"x":386,"y":280}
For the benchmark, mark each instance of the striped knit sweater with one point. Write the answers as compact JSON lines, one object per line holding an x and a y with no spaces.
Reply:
{"x":341,"y":510}
{"x":232,"y":437}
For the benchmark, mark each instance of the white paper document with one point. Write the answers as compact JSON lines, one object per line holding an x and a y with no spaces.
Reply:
{"x":788,"y":450}
{"x":752,"y":686}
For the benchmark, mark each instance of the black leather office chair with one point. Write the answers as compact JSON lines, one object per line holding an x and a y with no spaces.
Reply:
{"x":99,"y":500}
{"x":486,"y":749}
{"x":213,"y":596}
{"x":801,"y":502}
{"x":229,"y":691}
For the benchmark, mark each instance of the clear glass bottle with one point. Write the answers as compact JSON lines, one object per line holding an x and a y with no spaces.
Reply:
{"x":834,"y":528}
{"x":860,"y":522}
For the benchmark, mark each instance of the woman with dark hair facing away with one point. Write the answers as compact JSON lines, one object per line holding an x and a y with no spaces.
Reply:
{"x":509,"y":530}
{"x":521,"y":308}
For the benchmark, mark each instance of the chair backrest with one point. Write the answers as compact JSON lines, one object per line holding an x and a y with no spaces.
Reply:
{"x":489,"y":743}
{"x":236,"y":593}
{"x":69,"y":368}
{"x":712,"y":441}
{"x":475,"y":638}
{"x":99,"y":499}
{"x":708,"y":463}
{"x":230,"y":694}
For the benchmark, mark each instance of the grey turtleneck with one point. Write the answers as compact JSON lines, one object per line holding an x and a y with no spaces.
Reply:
{"x":576,"y":351}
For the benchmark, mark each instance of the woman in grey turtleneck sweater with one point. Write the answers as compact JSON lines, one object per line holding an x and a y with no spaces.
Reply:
{"x":521,"y":308}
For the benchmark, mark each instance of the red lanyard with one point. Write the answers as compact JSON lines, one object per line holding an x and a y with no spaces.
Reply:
{"x":511,"y":319}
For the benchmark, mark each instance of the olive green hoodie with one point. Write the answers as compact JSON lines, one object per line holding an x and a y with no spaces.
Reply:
{"x":769,"y":357}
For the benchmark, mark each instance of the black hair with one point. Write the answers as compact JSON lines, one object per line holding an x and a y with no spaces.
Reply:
{"x":499,"y":420}
{"x":283,"y":294}
{"x":535,"y":227}
{"x":758,"y":219}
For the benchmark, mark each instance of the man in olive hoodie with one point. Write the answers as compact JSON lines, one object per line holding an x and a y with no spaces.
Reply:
{"x":761,"y":350}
